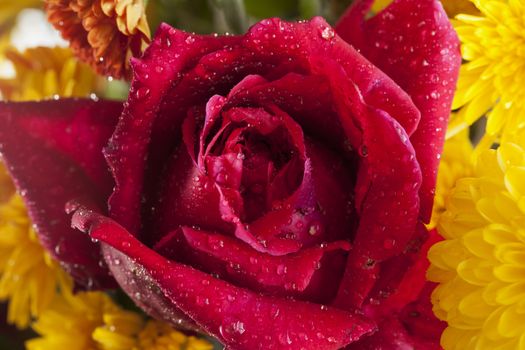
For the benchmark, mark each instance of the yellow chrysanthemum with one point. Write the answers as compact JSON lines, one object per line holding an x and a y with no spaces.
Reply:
{"x":44,"y":72}
{"x":92,"y":321}
{"x":453,"y":7}
{"x":29,"y":278}
{"x":480,"y":266}
{"x":493,"y":46}
{"x":455,"y":164}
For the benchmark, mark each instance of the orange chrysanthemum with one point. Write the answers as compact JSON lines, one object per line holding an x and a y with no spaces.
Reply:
{"x":103,"y":33}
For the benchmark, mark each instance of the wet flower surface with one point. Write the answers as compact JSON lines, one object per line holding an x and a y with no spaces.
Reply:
{"x":269,"y":189}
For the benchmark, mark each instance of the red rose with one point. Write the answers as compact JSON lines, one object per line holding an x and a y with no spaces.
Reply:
{"x":266,"y":188}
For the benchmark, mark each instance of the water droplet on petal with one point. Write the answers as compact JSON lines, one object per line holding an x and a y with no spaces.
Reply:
{"x":142,"y":93}
{"x":389,"y":243}
{"x":281,"y":269}
{"x":327,"y":33}
{"x":363,"y":151}
{"x":284,"y":338}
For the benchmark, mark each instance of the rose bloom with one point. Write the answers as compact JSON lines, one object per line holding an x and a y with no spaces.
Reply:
{"x":269,"y":189}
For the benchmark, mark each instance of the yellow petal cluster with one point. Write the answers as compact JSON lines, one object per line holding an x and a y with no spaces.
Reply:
{"x":480,"y":264}
{"x":455,"y":164}
{"x":452,"y":7}
{"x":92,"y":321}
{"x":29,"y":278}
{"x":491,"y":79}
{"x":44,"y":72}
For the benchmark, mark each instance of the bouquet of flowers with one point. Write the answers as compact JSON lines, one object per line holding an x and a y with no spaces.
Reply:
{"x":294,"y":174}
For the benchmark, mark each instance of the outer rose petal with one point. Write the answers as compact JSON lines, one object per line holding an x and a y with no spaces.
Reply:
{"x":157,"y":71}
{"x":386,"y":190}
{"x":392,"y":335}
{"x":415,"y":44}
{"x":237,"y":262}
{"x":414,"y":327}
{"x":241,"y":319}
{"x":53,"y":150}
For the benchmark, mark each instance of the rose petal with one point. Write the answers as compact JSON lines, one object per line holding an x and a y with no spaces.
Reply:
{"x":419,"y":319}
{"x":414,"y":43}
{"x":306,"y":98}
{"x":413,"y":327}
{"x":387,"y":187}
{"x":236,"y":262}
{"x":401,"y":279}
{"x":277,"y":41}
{"x":185,"y":197}
{"x":240,"y":318}
{"x":53,"y":149}
{"x":392,"y":335}
{"x":155,"y":74}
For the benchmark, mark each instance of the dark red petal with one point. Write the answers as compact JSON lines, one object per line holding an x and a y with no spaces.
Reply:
{"x":237,"y":262}
{"x":300,"y":43}
{"x":185,"y":197}
{"x":53,"y":150}
{"x":413,"y":327}
{"x":155,"y":74}
{"x":403,"y":277}
{"x":419,"y":319}
{"x":137,"y":283}
{"x":387,"y":189}
{"x":414,"y":43}
{"x":307,"y":99}
{"x":392,"y":335}
{"x":241,"y":319}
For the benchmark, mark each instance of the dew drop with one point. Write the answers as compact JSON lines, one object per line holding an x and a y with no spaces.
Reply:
{"x":314,"y":229}
{"x":284,"y":338}
{"x":363,"y":151}
{"x":327,"y":33}
{"x":142,"y":93}
{"x":389,"y":243}
{"x":202,"y":301}
{"x":221,"y":177}
{"x":281,"y":269}
{"x":238,"y":327}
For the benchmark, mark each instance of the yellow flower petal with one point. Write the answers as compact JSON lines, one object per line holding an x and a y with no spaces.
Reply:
{"x":480,"y":266}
